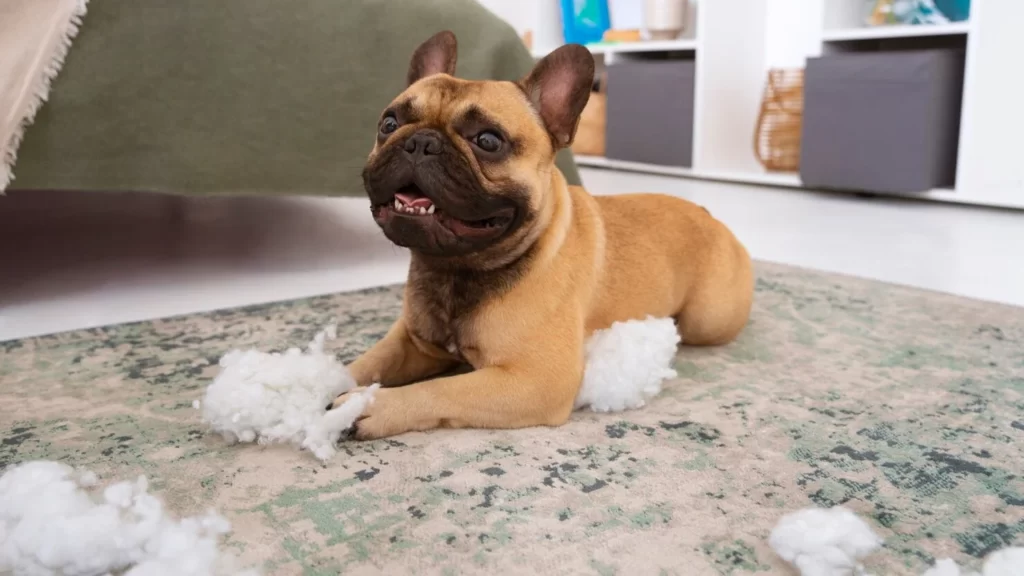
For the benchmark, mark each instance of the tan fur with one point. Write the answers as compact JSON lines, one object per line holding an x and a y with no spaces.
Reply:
{"x":591,"y":262}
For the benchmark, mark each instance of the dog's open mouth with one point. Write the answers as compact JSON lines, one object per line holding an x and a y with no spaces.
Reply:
{"x":409,"y":201}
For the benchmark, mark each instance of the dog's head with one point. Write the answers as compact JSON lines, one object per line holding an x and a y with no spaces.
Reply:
{"x":460,"y":169}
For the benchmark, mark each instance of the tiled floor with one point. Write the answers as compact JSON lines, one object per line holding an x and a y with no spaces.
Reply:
{"x":74,"y":260}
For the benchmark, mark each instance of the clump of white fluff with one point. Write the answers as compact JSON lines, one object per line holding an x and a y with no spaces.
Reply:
{"x":271,"y":398}
{"x":627,"y":363}
{"x":822,"y":542}
{"x":1005,"y":562}
{"x":833,"y":542}
{"x":57,"y":521}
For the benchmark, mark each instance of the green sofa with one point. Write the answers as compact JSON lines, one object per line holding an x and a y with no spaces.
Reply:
{"x":242,"y":96}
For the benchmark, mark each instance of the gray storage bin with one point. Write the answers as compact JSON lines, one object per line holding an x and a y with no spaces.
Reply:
{"x":882,"y":121}
{"x":650,"y":112}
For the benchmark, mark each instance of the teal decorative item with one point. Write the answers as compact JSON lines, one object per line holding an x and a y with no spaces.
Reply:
{"x":884,"y":12}
{"x":955,"y":10}
{"x":585,"y":21}
{"x":919,"y":12}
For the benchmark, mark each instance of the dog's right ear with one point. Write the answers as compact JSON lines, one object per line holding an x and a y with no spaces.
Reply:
{"x":559,"y":88}
{"x":435,"y":56}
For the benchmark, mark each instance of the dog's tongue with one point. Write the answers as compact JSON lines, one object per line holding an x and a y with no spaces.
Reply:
{"x":414,"y":201}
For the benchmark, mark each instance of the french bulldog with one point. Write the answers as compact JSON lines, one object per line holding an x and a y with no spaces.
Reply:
{"x":512,"y":269}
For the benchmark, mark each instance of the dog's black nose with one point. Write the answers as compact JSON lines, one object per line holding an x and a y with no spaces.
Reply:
{"x":423,"y":143}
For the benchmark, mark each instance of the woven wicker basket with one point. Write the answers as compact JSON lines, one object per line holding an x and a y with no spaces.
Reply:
{"x":777,"y":138}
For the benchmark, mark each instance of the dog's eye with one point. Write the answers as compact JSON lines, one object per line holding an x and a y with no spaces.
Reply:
{"x":388,"y":125}
{"x":488,"y":141}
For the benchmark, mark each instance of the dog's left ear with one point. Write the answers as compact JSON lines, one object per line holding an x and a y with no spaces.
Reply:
{"x":435,"y":56}
{"x":559,"y":87}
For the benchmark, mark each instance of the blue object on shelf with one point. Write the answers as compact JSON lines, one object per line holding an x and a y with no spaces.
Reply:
{"x":955,"y":10}
{"x":585,"y":21}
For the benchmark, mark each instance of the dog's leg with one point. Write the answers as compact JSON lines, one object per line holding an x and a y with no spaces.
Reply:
{"x":719,"y":306}
{"x":491,"y":397}
{"x":396,"y":361}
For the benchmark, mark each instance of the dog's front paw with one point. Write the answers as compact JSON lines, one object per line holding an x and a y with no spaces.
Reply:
{"x":342,"y":398}
{"x":393,"y":411}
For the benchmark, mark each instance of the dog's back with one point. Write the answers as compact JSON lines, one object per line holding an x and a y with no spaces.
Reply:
{"x":665,"y":256}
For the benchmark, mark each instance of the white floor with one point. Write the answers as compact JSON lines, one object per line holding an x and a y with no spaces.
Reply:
{"x":76,"y":260}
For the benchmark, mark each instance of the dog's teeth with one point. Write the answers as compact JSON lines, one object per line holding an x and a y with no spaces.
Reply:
{"x":422,"y":210}
{"x":398,"y":204}
{"x":431,"y":209}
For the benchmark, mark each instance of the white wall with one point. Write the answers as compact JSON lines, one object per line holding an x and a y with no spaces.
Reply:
{"x":792,"y":32}
{"x":543,"y":17}
{"x":521,"y":14}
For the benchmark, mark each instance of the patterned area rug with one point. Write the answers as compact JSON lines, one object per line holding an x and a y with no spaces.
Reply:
{"x":904,"y":405}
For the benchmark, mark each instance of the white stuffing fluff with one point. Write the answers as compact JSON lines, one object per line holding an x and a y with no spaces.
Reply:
{"x":55,"y":520}
{"x":822,"y":542}
{"x":1005,"y":562}
{"x":626,"y":364}
{"x":945,"y":567}
{"x":272,"y":398}
{"x":833,"y":542}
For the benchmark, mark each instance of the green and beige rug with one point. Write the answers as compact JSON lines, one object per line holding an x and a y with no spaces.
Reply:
{"x":907,"y":406}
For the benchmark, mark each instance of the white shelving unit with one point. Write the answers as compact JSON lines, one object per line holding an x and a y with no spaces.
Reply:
{"x":681,"y":45}
{"x":764,"y":178}
{"x":889,"y":32}
{"x":736,"y":42}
